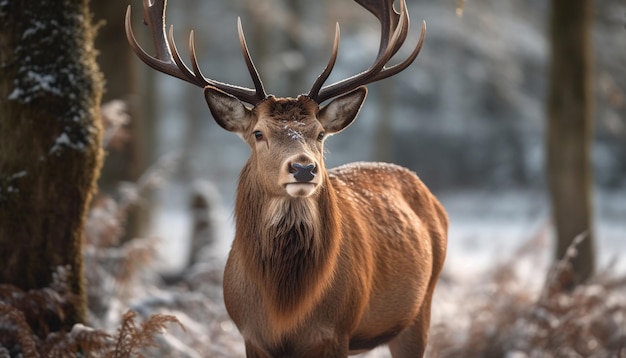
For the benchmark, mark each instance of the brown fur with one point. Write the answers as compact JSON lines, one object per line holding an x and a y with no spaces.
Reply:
{"x":292,"y":256}
{"x":352,"y":266}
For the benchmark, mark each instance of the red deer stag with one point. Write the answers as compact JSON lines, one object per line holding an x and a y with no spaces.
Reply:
{"x":324,"y":263}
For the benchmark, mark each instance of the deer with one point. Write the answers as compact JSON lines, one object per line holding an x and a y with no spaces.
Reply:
{"x":324,"y":262}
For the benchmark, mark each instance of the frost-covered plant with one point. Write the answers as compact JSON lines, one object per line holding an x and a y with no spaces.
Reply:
{"x":82,"y":341}
{"x":507,"y":319}
{"x":42,"y":310}
{"x":15,"y":330}
{"x":113,"y":265}
{"x":79,"y":341}
{"x":132,"y":337}
{"x":30,"y":320}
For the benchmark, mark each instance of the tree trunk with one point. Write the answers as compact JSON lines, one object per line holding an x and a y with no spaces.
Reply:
{"x":50,"y":130}
{"x":570,"y":131}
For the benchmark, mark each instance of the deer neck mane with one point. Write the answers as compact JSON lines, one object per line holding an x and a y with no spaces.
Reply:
{"x":289,"y":245}
{"x":289,"y":226}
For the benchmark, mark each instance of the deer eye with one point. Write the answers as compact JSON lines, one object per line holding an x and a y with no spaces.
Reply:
{"x":258,"y":135}
{"x":320,"y":136}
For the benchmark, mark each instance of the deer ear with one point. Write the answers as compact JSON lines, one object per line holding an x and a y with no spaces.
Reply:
{"x":227,"y":110}
{"x":341,"y":111}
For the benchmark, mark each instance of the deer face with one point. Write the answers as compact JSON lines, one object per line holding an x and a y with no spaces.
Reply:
{"x":286,"y":136}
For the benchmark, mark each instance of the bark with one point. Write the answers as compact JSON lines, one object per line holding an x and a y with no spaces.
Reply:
{"x":50,"y":90}
{"x":570,"y":127}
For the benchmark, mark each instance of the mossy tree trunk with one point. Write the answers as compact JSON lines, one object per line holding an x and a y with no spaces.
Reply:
{"x":570,"y":127}
{"x":50,"y":150}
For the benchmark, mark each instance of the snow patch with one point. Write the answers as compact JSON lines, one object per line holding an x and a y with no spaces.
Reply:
{"x":6,"y":183}
{"x":17,"y":175}
{"x":64,"y":141}
{"x":36,"y":82}
{"x":36,"y":27}
{"x":293,"y":134}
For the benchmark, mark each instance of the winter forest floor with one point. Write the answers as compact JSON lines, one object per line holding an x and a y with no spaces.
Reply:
{"x":498,"y":295}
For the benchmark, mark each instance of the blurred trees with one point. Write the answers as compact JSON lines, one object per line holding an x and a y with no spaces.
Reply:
{"x":383,"y":132}
{"x":114,"y":59}
{"x":570,"y":127}
{"x":125,"y":159}
{"x":50,"y":133}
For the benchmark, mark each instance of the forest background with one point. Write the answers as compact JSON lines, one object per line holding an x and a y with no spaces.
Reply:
{"x":470,"y":117}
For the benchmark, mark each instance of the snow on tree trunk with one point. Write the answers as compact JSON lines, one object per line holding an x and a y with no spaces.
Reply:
{"x":50,"y":134}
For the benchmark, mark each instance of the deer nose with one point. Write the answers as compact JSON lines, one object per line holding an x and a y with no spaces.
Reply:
{"x":303,"y":173}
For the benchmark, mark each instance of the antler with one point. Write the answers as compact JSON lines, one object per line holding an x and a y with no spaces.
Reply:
{"x":394,"y":30}
{"x":168,"y":61}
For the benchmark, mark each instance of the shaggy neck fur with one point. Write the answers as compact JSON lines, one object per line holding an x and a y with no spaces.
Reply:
{"x":289,"y":245}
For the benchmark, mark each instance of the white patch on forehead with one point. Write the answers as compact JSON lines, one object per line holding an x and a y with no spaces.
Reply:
{"x":293,"y":134}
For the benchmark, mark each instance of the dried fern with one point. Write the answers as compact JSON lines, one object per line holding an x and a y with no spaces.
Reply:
{"x":14,"y":329}
{"x":115,"y":266}
{"x":43,"y":309}
{"x":17,"y":336}
{"x":80,"y":339}
{"x":131,"y":338}
{"x":505,"y":319}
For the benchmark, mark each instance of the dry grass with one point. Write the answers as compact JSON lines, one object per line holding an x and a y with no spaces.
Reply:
{"x":504,"y":318}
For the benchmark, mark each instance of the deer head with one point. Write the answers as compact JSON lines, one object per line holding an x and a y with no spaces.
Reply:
{"x":286,"y":134}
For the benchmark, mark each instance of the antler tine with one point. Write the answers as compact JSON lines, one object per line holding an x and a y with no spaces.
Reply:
{"x":192,"y":55}
{"x":247,"y":95}
{"x":394,"y":30}
{"x":151,"y":18}
{"x":168,"y":60}
{"x":386,"y":15}
{"x":256,"y":79}
{"x":395,"y":21}
{"x":329,"y":67}
{"x":193,"y":78}
{"x":390,"y":71}
{"x":162,"y":61}
{"x":350,"y":83}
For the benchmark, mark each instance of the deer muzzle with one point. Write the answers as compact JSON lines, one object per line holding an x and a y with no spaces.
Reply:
{"x":303,"y":173}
